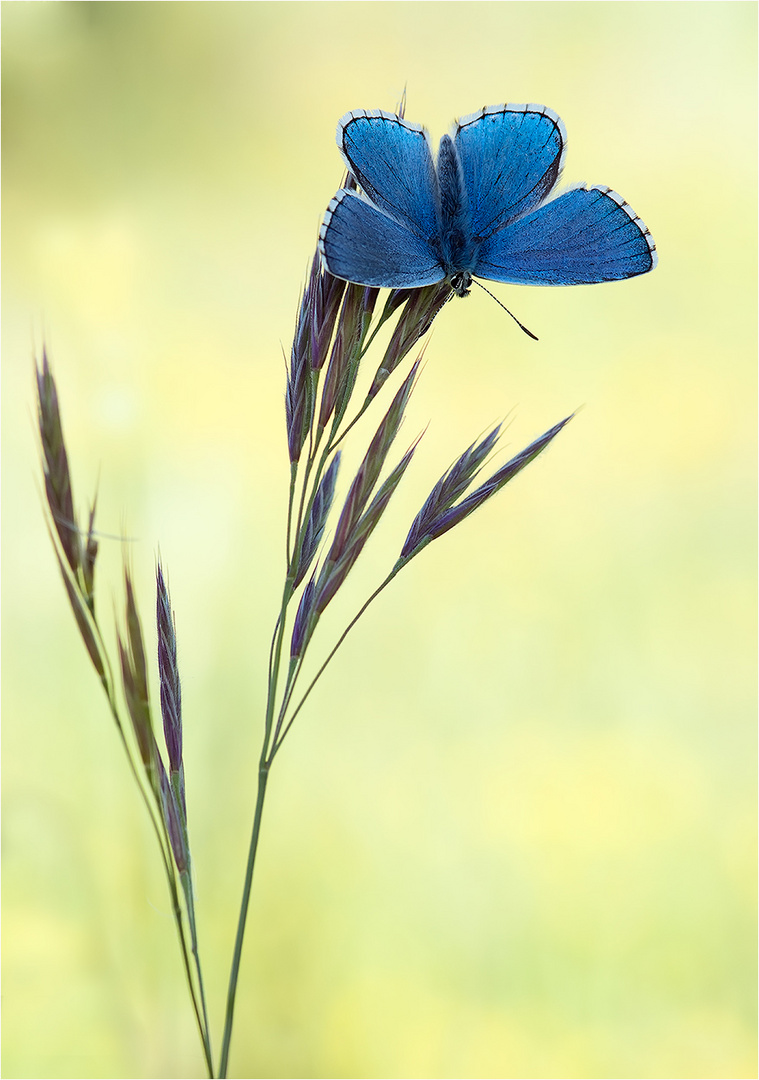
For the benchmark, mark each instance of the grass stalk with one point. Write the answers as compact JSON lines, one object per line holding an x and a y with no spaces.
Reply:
{"x":263,"y":776}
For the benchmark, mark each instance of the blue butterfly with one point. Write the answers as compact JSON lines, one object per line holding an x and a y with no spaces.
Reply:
{"x":486,"y":209}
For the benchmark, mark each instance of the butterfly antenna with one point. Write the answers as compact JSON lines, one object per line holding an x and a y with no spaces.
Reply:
{"x":516,"y":320}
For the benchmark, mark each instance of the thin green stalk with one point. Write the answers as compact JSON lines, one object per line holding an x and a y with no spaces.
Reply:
{"x":303,"y":510}
{"x":186,"y":881}
{"x":263,"y":775}
{"x":300,"y":518}
{"x":281,"y":738}
{"x":291,"y":500}
{"x":296,"y":666}
{"x":203,"y":1029}
{"x":336,"y":439}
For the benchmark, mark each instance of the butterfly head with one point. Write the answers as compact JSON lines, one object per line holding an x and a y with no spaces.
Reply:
{"x":461,"y":282}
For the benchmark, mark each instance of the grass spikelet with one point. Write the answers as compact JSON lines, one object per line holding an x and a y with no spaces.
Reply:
{"x":317,"y":519}
{"x":168,"y":673}
{"x":441,"y":513}
{"x":327,"y":296}
{"x":138,"y":709}
{"x":83,"y":617}
{"x":56,"y":467}
{"x":450,"y":487}
{"x":421,"y":308}
{"x":134,"y":677}
{"x":135,"y":639}
{"x":173,"y":819}
{"x":334,"y":573}
{"x":352,"y":325}
{"x":304,"y":622}
{"x":88,"y":562}
{"x":370,"y":469}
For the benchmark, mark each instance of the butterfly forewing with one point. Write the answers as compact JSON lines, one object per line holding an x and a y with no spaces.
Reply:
{"x":511,"y":156}
{"x":391,"y":161}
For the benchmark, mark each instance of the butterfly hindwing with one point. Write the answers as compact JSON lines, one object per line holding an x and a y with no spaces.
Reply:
{"x":511,"y":157}
{"x":363,"y":244}
{"x":392,"y":163}
{"x":584,"y":236}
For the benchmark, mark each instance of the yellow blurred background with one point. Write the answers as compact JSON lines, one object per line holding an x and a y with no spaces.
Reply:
{"x":513,"y":834}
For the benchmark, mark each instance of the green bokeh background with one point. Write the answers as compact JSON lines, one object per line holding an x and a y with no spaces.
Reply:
{"x":513,"y":835}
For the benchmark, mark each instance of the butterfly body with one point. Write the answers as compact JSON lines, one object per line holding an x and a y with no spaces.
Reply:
{"x":458,"y":245}
{"x":484,"y":209}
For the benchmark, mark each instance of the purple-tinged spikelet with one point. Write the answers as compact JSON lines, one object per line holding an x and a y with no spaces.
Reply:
{"x":449,"y":488}
{"x":135,"y":682}
{"x":168,"y":673}
{"x":299,"y":396}
{"x":317,"y":519}
{"x":396,"y":298}
{"x":334,"y":574}
{"x":76,"y":560}
{"x":357,"y":520}
{"x":421,"y":308}
{"x":371,"y":467}
{"x":314,"y":329}
{"x":173,"y":817}
{"x":135,"y":640}
{"x":327,"y":295}
{"x":355,"y":316}
{"x":88,"y":562}
{"x":441,"y":512}
{"x":303,"y":626}
{"x":139,"y":711}
{"x":56,"y":467}
{"x":83,"y":616}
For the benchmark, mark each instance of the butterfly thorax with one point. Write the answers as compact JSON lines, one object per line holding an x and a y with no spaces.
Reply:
{"x":458,"y":248}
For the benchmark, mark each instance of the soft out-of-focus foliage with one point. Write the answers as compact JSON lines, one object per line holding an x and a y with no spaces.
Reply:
{"x":513,"y":831}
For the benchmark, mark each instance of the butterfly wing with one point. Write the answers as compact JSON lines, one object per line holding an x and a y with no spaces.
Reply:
{"x":363,"y":244}
{"x":511,"y":156}
{"x":392,"y":163}
{"x":584,"y":236}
